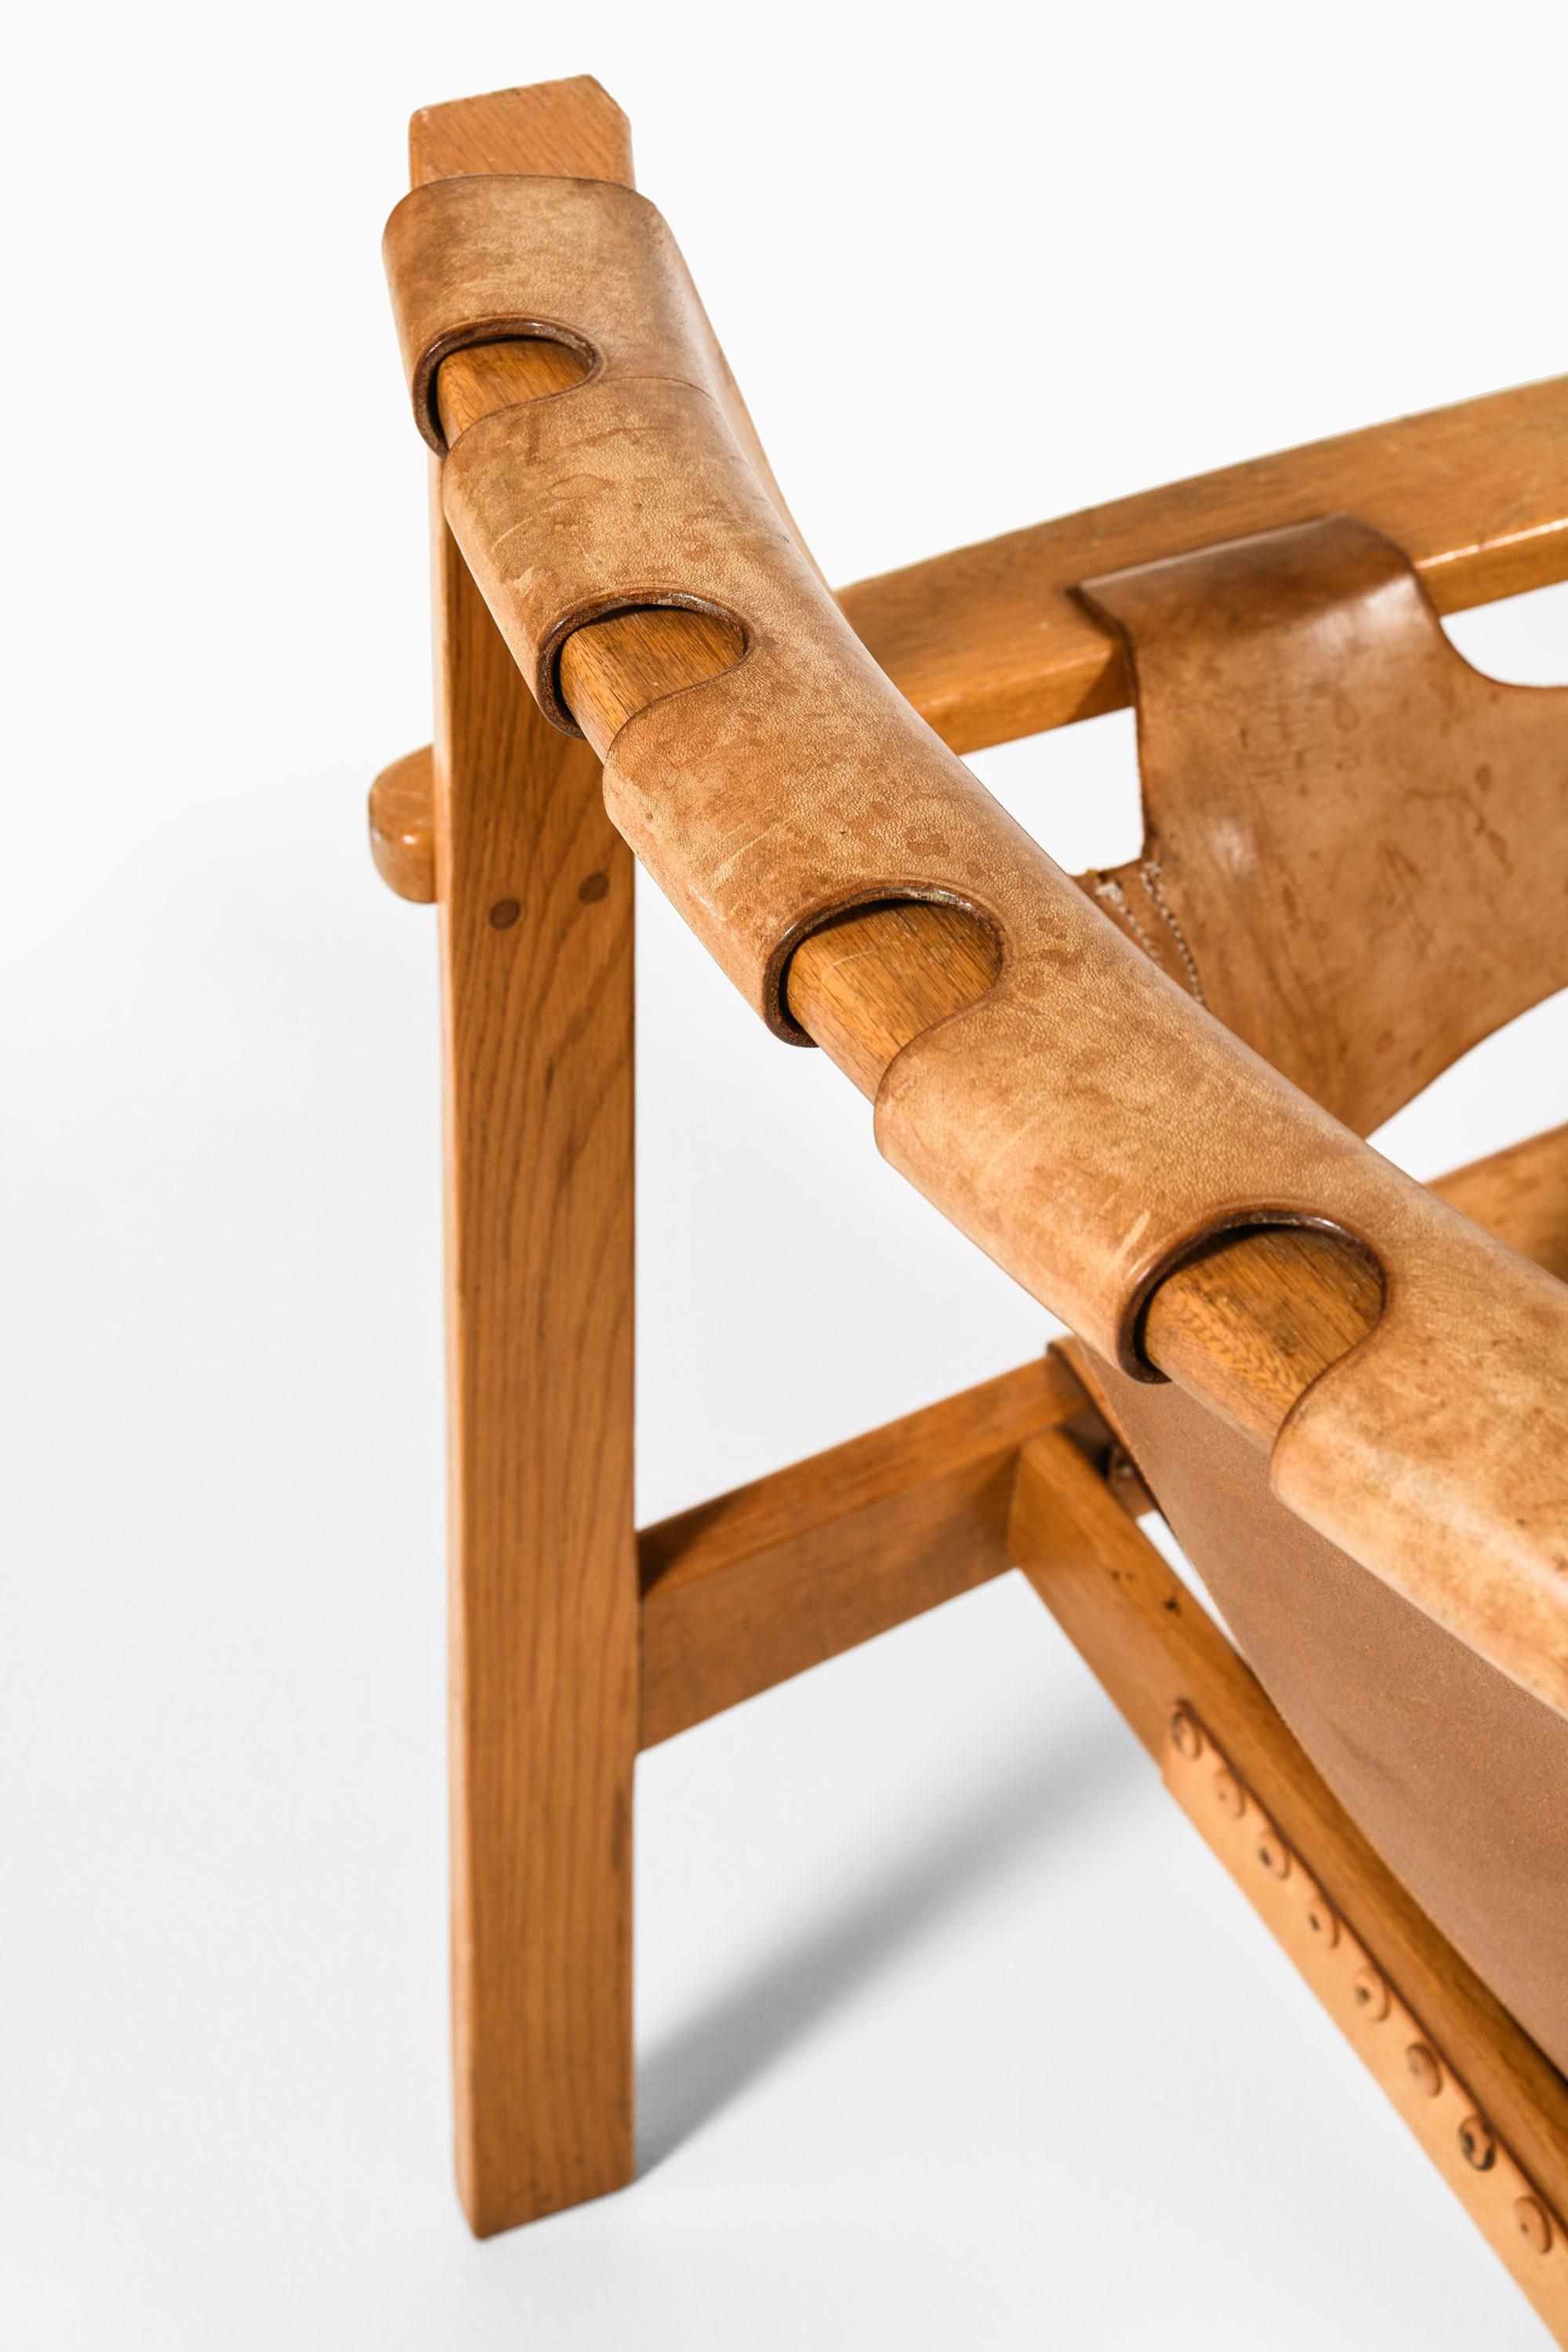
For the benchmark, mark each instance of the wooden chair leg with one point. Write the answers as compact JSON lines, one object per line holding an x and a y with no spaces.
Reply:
{"x":536,"y":929}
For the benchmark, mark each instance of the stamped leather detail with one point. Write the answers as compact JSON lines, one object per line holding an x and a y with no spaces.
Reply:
{"x":1407,"y":2061}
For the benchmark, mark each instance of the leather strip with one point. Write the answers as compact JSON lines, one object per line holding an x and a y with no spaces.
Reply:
{"x":1086,"y":1122}
{"x":488,"y":256}
{"x":1350,"y":833}
{"x":483,"y":258}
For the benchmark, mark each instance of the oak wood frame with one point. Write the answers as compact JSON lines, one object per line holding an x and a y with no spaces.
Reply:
{"x":535,"y":890}
{"x":569,"y":1652}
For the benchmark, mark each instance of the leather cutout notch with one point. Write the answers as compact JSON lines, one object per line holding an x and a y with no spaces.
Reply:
{"x":424,"y":389}
{"x":624,"y":604}
{"x":1364,"y":1288}
{"x":984,"y":941}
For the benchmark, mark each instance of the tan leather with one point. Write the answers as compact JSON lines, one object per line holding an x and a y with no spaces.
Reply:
{"x":1349,"y":850}
{"x":1521,"y":1193}
{"x":1457,"y":1777}
{"x":490,"y":257}
{"x":1354,"y":846}
{"x":1086,"y":1122}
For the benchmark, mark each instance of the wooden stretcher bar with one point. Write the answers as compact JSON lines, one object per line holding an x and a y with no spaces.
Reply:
{"x":1252,"y":1324}
{"x":743,"y":1591}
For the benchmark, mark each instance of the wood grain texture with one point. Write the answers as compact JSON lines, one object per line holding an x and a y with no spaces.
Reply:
{"x":1240,"y":1323}
{"x":1252,"y":1323}
{"x":1406,"y":2059}
{"x":536,"y":939}
{"x":989,"y":643}
{"x":867,"y":984}
{"x":745,"y":1590}
{"x":573,"y":127}
{"x":471,"y":383}
{"x":1522,"y":1195}
{"x":1153,"y":1648}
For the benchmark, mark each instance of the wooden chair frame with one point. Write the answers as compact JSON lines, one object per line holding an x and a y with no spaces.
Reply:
{"x":577,"y":1641}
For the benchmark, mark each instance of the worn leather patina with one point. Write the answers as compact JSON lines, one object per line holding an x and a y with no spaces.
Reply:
{"x":1347,"y":850}
{"x":1348,"y":831}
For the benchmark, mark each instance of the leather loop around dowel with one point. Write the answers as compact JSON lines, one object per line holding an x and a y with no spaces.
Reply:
{"x":1085,"y":1122}
{"x":489,"y":255}
{"x":674,"y":514}
{"x":481,"y":259}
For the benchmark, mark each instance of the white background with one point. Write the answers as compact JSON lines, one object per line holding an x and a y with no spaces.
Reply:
{"x":952,"y":2033}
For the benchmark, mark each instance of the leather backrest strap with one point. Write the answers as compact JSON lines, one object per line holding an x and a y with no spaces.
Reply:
{"x":1353,"y":842}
